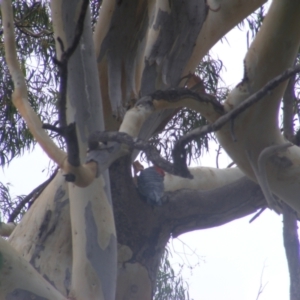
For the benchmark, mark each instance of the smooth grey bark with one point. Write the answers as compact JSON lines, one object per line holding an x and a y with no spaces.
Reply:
{"x":290,"y":224}
{"x":85,"y":100}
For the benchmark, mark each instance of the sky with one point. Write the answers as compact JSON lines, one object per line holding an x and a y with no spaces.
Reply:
{"x":229,"y":262}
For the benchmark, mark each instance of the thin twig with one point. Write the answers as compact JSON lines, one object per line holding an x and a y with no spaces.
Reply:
{"x":54,"y":128}
{"x":217,"y":156}
{"x":257,"y":214}
{"x":261,"y":286}
{"x":30,"y":33}
{"x":231,"y":164}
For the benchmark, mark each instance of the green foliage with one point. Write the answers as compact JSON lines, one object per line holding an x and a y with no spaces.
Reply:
{"x":8,"y":204}
{"x":253,"y":23}
{"x":170,"y":286}
{"x":35,"y":48}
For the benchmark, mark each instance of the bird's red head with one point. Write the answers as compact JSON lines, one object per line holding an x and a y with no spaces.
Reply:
{"x":159,"y":170}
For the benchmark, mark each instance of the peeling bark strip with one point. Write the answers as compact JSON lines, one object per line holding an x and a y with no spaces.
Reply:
{"x":216,"y":24}
{"x":124,"y":39}
{"x":178,"y":24}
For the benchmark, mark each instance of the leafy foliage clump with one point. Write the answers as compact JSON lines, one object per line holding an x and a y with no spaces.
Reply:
{"x":35,"y":48}
{"x":169,"y":286}
{"x":8,"y":204}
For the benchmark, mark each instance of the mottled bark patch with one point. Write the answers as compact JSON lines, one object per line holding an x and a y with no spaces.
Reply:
{"x":20,"y":294}
{"x":103,"y":260}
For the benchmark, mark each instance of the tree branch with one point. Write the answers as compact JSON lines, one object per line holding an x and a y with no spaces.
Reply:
{"x":198,"y":209}
{"x":291,"y":245}
{"x":290,"y":228}
{"x":20,"y":97}
{"x":179,"y":153}
{"x":288,"y":110}
{"x":53,"y":128}
{"x":181,"y":96}
{"x":257,"y":214}
{"x":69,"y":131}
{"x":63,"y":64}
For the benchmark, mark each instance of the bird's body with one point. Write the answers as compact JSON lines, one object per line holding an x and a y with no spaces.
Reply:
{"x":151,"y":185}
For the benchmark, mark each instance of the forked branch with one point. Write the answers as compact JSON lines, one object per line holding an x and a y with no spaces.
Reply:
{"x":179,"y":151}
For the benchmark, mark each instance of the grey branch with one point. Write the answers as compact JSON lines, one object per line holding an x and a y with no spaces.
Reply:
{"x":124,"y":138}
{"x":177,"y":94}
{"x":69,"y":131}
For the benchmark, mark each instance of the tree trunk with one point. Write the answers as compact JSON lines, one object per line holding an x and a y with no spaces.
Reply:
{"x":69,"y":233}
